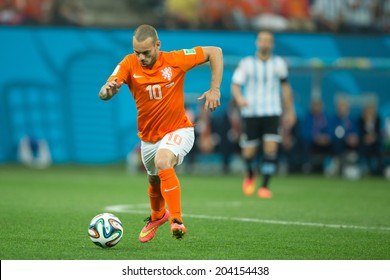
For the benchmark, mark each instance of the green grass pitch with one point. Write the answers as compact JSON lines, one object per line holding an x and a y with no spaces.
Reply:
{"x":44,"y":215}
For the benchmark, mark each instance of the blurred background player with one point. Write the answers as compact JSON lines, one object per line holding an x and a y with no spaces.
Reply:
{"x":345,"y":138}
{"x":316,"y":137}
{"x":156,"y":81}
{"x":371,"y":143}
{"x":261,"y":104}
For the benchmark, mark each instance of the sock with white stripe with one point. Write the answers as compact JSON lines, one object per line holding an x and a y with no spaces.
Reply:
{"x":268,"y":169}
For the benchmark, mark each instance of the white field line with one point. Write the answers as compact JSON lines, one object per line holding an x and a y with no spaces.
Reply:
{"x":144,"y":209}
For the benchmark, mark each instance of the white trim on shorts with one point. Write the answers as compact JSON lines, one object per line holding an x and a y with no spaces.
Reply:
{"x":256,"y":142}
{"x":272,"y":137}
{"x":179,"y":142}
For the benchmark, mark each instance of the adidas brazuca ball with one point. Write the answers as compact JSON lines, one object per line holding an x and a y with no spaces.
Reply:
{"x":105,"y":230}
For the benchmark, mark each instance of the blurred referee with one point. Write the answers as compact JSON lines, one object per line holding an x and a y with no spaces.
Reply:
{"x":262,"y":92}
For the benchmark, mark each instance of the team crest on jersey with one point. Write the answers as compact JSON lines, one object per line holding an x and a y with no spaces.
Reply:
{"x":189,"y":51}
{"x":167,"y":73}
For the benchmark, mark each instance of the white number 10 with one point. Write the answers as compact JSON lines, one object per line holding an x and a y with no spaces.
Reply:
{"x":154,"y":92}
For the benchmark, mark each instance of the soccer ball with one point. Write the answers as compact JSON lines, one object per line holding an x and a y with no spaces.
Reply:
{"x":105,"y":230}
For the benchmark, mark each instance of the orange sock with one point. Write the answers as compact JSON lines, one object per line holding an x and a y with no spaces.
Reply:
{"x":157,"y":202}
{"x":170,"y":190}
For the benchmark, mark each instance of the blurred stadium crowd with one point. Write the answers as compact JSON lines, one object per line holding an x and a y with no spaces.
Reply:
{"x":340,"y":143}
{"x":278,"y":15}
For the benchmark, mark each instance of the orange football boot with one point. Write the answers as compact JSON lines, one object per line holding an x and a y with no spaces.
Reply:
{"x":149,"y":230}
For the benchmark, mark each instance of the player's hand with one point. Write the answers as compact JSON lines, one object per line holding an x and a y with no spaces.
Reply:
{"x":241,"y":102}
{"x":110,"y":89}
{"x":212,"y":97}
{"x":289,"y":120}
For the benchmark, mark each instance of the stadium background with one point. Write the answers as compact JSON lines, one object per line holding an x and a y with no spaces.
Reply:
{"x":50,"y":78}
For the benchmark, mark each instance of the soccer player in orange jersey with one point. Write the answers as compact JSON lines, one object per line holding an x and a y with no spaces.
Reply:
{"x":156,"y":81}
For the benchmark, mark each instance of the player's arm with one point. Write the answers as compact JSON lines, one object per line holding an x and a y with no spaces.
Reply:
{"x":109,"y":89}
{"x":289,"y":118}
{"x":116,"y":80}
{"x":237,"y":95}
{"x":238,"y":79}
{"x":215,"y":57}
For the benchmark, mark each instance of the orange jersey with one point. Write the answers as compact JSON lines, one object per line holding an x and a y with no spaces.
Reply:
{"x":159,"y":92}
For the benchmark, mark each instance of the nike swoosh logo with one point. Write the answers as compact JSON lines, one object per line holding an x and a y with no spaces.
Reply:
{"x":169,"y":85}
{"x":136,"y":76}
{"x":168,"y":190}
{"x":143,"y":234}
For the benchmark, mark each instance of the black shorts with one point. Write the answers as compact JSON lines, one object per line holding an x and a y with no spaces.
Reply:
{"x":257,"y":129}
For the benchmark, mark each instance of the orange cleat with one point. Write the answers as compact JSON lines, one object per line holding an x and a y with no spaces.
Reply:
{"x":264,"y":192}
{"x":249,"y":185}
{"x":149,"y":230}
{"x":178,"y":230}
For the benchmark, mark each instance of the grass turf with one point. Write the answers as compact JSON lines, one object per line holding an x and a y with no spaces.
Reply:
{"x":44,"y":215}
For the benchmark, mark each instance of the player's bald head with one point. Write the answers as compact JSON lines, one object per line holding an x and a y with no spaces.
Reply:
{"x":146,"y":45}
{"x":145,"y":31}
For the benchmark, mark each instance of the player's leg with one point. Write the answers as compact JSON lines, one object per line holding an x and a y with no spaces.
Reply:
{"x":249,"y":183}
{"x":171,"y":190}
{"x":271,"y":140}
{"x":172,"y":149}
{"x":268,"y":167}
{"x":157,"y":203}
{"x":249,"y":142}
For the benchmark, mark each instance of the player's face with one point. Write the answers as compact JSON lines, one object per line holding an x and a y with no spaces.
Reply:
{"x":316,"y":107}
{"x":343,"y":108}
{"x":265,"y":42}
{"x":146,"y":51}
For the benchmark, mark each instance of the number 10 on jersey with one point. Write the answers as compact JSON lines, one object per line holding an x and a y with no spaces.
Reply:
{"x":155,"y":92}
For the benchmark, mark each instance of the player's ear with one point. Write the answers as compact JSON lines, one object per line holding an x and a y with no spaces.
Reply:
{"x":158,"y":44}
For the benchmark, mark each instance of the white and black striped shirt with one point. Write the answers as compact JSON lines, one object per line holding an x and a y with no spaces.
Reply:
{"x":261,"y":82}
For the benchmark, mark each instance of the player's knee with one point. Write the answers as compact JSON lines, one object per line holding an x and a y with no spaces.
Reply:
{"x":249,"y":153}
{"x":163,"y":163}
{"x":154,"y":180}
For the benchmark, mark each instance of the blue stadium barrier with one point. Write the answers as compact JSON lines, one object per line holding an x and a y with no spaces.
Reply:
{"x":50,"y":78}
